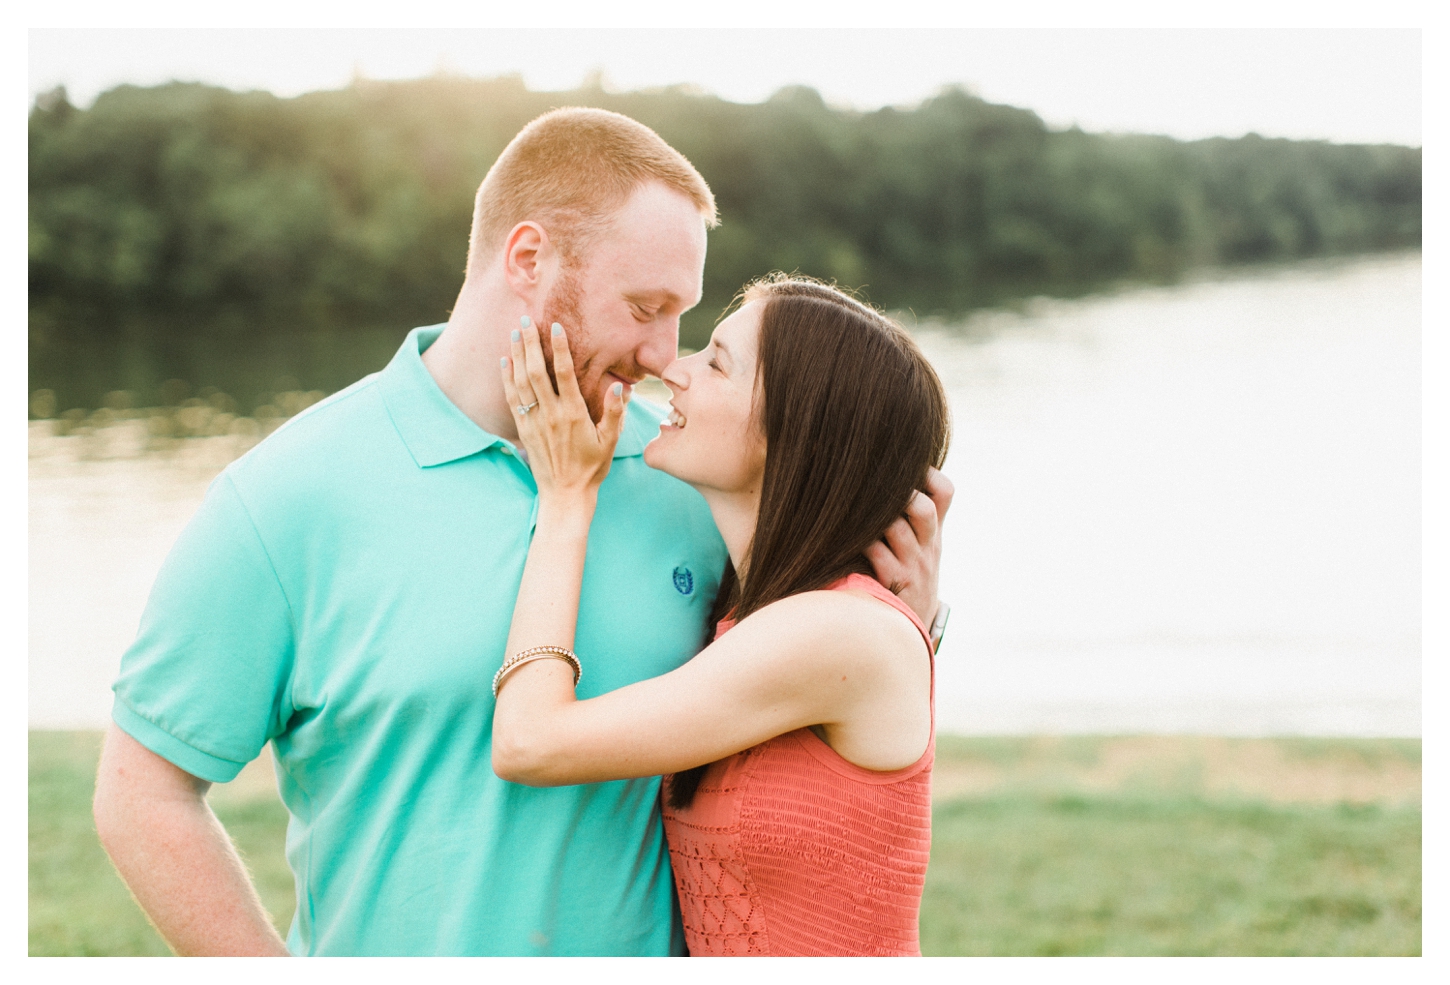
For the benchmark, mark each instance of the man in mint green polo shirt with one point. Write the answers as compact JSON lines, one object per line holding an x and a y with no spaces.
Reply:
{"x":345,"y":592}
{"x":367,"y":662}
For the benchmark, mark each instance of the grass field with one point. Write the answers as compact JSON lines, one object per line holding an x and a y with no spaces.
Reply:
{"x":1146,"y":845}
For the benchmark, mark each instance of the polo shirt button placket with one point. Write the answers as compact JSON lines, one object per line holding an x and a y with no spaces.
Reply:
{"x":522,"y":470}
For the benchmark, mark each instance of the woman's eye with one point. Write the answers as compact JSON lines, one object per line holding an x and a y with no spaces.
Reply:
{"x":714,"y":365}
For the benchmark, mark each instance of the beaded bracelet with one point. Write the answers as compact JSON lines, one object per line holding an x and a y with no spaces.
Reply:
{"x":537,"y":653}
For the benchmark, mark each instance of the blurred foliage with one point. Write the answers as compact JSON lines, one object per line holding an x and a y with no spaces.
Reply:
{"x":182,"y":209}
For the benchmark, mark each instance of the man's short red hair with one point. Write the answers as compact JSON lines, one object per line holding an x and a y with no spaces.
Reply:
{"x":570,"y":170}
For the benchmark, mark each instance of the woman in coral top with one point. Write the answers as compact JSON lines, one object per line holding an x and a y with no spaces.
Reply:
{"x":798,"y":812}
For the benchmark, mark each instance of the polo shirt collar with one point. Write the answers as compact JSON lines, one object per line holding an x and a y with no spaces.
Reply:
{"x":638,"y":431}
{"x":432,"y":427}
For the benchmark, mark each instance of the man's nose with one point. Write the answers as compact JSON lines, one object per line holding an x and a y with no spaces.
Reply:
{"x":661,"y":346}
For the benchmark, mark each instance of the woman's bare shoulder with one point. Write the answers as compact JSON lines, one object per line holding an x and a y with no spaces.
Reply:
{"x":837,"y":624}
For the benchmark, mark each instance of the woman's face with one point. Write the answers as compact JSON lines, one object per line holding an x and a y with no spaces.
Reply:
{"x":711,"y":439}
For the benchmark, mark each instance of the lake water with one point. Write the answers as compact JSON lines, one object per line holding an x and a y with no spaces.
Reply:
{"x":1181,"y":509}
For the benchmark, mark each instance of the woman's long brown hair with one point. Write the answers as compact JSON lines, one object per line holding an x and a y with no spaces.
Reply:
{"x":853,"y":415}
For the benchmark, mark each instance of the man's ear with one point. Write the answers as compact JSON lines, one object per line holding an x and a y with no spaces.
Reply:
{"x":526,"y":259}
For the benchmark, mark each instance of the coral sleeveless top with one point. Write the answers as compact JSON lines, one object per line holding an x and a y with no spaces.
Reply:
{"x":788,"y":849}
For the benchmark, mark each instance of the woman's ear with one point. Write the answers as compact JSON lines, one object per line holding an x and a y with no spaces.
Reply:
{"x":527,"y":254}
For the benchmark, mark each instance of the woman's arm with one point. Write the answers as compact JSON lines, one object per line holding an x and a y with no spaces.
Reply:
{"x":569,"y":456}
{"x":832,"y":658}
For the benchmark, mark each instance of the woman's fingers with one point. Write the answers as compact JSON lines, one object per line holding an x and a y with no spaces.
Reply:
{"x":612,"y":422}
{"x":889,"y":571}
{"x":506,"y":372}
{"x":921,"y":513}
{"x":536,"y":369}
{"x":564,"y":367}
{"x":901,"y":538}
{"x":566,"y":448}
{"x":523,"y":387}
{"x":941,"y":491}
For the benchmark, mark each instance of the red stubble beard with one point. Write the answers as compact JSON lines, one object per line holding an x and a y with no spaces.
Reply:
{"x":563,"y":306}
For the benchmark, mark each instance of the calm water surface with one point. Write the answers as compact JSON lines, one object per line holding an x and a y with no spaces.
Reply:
{"x":1184,"y":509}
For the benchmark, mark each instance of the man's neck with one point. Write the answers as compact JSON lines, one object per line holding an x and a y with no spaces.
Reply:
{"x":464,"y":359}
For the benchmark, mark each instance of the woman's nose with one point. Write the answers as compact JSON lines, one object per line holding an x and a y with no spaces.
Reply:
{"x":676,"y":375}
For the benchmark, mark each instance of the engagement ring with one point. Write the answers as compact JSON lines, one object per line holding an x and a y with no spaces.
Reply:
{"x":524,"y":410}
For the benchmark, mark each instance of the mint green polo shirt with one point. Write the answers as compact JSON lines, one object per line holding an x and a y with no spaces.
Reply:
{"x":345,"y":592}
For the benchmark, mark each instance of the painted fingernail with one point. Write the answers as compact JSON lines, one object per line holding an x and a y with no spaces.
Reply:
{"x":514,"y":336}
{"x":524,"y":321}
{"x":618,"y":388}
{"x":558,"y":329}
{"x":503,"y":363}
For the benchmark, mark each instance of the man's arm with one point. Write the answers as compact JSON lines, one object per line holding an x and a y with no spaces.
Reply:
{"x":907,"y":558}
{"x":155,"y":823}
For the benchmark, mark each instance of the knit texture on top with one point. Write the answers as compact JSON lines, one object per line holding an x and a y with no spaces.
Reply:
{"x":788,"y":849}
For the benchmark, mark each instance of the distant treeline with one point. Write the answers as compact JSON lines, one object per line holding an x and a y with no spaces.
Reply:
{"x":208,"y":210}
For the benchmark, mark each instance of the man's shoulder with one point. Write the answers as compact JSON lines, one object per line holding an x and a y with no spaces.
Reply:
{"x":316,"y":441}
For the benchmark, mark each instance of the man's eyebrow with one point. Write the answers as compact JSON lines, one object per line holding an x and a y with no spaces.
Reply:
{"x":661,"y":296}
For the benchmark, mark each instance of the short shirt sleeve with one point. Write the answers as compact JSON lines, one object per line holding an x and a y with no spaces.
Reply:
{"x":205,"y":684}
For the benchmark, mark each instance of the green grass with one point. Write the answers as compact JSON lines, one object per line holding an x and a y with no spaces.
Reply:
{"x":1044,"y":859}
{"x":1021,"y":875}
{"x":78,"y":904}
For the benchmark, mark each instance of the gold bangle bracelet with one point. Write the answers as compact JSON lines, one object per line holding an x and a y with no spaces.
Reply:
{"x":537,"y":653}
{"x":564,"y":653}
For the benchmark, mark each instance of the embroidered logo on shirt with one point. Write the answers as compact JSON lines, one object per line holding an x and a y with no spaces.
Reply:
{"x":684,"y":580}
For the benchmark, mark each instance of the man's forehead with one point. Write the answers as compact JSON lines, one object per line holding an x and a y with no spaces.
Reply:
{"x":659,"y":208}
